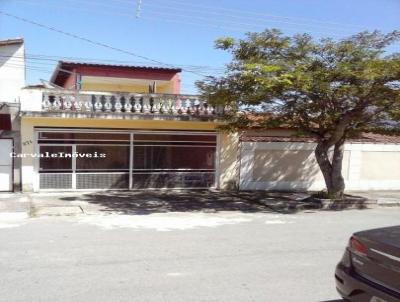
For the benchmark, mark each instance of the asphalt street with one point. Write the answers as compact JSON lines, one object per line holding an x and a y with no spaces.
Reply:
{"x":178,"y":256}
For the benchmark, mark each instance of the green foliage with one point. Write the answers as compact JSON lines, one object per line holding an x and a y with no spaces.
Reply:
{"x":224,"y":43}
{"x":329,"y":89}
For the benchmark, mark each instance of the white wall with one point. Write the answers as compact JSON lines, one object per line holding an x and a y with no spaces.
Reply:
{"x":6,"y":165}
{"x":31,"y":99}
{"x":12,"y":72}
{"x":292,"y":167}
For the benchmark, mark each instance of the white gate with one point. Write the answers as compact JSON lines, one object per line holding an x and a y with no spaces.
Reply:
{"x":6,"y":164}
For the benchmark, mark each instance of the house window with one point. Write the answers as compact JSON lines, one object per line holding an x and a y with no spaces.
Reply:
{"x":192,"y":138}
{"x":83,"y":138}
{"x":102,"y":158}
{"x":173,"y":160}
{"x":5,"y":122}
{"x":173,"y":157}
{"x":55,"y":159}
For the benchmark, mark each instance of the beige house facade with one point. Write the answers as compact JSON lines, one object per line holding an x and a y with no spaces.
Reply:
{"x":135,"y":140}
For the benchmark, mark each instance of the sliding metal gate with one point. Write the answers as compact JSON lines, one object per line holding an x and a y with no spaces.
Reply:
{"x":125,"y":160}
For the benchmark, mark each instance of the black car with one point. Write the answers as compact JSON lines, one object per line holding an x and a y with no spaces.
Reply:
{"x":369,"y":270}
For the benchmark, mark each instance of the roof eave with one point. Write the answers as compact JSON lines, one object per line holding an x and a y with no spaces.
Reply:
{"x":11,"y":41}
{"x":55,"y":72}
{"x":170,"y":69}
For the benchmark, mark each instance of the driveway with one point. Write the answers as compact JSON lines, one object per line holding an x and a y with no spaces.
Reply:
{"x":234,"y":255}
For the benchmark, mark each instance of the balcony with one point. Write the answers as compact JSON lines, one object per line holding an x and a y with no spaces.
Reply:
{"x":39,"y":101}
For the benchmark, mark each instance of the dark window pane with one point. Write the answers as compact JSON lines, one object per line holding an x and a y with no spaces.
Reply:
{"x":71,"y":136}
{"x":55,"y":163}
{"x":152,"y":157}
{"x":174,"y":137}
{"x":89,"y":142}
{"x":103,"y":158}
{"x":201,"y":144}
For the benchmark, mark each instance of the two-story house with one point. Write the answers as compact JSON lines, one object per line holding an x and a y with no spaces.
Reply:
{"x":132,"y":122}
{"x":129,"y":127}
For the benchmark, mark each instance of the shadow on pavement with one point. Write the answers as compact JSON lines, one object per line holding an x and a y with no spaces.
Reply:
{"x":148,"y":202}
{"x":160,"y":201}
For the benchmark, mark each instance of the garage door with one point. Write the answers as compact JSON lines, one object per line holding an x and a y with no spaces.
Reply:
{"x":127,"y":160}
{"x":6,"y":164}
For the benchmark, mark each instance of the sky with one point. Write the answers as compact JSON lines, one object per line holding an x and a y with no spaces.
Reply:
{"x":175,"y":32}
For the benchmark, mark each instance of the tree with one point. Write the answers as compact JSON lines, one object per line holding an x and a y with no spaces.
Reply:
{"x":330,"y":90}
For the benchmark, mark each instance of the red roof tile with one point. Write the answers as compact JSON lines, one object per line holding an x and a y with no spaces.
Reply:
{"x":64,"y":64}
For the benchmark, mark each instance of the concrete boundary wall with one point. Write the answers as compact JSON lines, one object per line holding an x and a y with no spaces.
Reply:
{"x":292,"y":166}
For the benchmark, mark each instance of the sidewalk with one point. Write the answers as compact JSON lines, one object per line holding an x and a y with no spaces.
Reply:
{"x":14,"y":203}
{"x":149,"y":202}
{"x":382,"y":198}
{"x":15,"y":208}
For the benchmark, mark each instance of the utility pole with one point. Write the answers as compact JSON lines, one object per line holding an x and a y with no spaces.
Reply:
{"x":138,"y":8}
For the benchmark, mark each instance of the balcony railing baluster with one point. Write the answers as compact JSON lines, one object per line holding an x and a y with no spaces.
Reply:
{"x":107,"y":104}
{"x":117,"y":104}
{"x":129,"y":103}
{"x":97,"y":106}
{"x":57,"y":104}
{"x":146,"y":105}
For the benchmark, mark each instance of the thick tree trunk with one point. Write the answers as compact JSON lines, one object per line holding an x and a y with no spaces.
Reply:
{"x":331,"y":168}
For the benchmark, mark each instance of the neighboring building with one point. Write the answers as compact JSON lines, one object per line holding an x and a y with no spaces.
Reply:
{"x":277,"y":160}
{"x":161,"y":139}
{"x":12,"y":69}
{"x":12,"y":79}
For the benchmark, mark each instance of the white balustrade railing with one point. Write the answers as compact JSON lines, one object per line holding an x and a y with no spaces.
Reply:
{"x":127,"y":103}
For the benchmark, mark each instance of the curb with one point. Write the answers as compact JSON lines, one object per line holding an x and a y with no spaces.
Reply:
{"x":388,"y":202}
{"x":56,"y":210}
{"x":12,"y":216}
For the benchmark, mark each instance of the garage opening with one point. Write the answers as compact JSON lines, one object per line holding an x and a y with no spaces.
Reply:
{"x":126,"y":160}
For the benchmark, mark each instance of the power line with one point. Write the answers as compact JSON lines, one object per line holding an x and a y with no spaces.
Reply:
{"x":212,"y":11}
{"x":227,"y":24}
{"x":188,"y":88}
{"x":207,"y":25}
{"x":48,"y":59}
{"x":243,"y":17}
{"x":241,"y":11}
{"x":228,"y":27}
{"x":90,"y":41}
{"x":22,"y":66}
{"x":57,"y":6}
{"x":27,"y":66}
{"x":238,"y":29}
{"x":207,"y":19}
